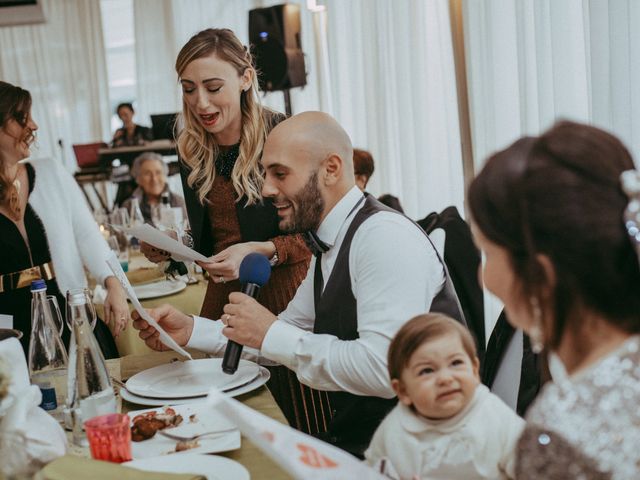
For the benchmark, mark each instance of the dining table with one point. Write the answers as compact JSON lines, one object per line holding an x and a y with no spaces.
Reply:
{"x":137,"y":357}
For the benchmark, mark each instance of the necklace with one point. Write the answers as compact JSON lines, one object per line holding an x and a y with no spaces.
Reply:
{"x":226,"y":160}
{"x":13,"y":200}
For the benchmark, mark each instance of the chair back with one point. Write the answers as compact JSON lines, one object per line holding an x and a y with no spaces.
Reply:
{"x":462,"y":259}
{"x":87,"y":154}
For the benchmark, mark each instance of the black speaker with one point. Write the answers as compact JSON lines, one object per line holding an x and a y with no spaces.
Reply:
{"x":274,"y":35}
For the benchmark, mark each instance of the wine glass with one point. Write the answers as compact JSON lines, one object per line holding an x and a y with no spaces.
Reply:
{"x":54,"y":309}
{"x":187,"y":240}
{"x":120,"y":220}
{"x":122,"y":252}
{"x":91,"y":311}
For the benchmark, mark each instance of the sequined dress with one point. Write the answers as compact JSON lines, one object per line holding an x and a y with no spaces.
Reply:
{"x":586,"y":426}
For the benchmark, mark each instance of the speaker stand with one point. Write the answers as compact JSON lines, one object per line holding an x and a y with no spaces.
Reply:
{"x":287,"y":102}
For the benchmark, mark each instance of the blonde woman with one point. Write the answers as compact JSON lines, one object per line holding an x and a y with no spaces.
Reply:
{"x":220,"y":146}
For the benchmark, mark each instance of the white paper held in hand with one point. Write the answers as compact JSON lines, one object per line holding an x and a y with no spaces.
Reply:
{"x":158,"y":239}
{"x":115,"y":267}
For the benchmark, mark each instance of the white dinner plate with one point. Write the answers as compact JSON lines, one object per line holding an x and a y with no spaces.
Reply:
{"x":211,"y":466}
{"x":191,"y":378}
{"x":262,"y":378}
{"x":158,"y":289}
{"x":196,"y":419}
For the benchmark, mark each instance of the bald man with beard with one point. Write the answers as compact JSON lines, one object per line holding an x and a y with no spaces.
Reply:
{"x":373,"y":270}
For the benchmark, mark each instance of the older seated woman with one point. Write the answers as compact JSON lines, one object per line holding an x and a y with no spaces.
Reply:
{"x":150,"y":173}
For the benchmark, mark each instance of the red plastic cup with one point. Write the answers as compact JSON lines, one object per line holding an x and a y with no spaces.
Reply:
{"x":109,"y":437}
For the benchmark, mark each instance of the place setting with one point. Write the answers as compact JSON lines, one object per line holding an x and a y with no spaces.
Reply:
{"x":189,"y":382}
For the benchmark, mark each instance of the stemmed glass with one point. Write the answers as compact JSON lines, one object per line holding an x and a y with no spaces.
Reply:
{"x":120,"y":220}
{"x":187,"y":240}
{"x":54,"y":308}
{"x":91,"y":311}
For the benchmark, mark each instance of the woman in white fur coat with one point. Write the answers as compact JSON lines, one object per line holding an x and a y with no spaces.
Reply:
{"x":47,"y":229}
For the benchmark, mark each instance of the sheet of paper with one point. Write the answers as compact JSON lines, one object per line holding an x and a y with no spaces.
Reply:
{"x":158,"y":239}
{"x":115,"y":267}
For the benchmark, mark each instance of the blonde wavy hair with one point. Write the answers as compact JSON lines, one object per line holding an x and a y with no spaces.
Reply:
{"x":198,"y":148}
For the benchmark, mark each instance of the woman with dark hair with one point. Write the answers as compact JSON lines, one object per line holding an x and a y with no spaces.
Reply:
{"x":130,"y":133}
{"x":548,"y":213}
{"x":47,"y":229}
{"x":220,"y":145}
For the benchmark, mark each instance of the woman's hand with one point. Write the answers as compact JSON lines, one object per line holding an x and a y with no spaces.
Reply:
{"x":154,"y":254}
{"x":116,"y":309}
{"x":225,"y":266}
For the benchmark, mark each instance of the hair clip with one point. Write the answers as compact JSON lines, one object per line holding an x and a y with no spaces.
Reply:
{"x":630,"y":181}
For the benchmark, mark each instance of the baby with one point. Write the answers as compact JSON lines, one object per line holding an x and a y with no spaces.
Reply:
{"x":446,"y":424}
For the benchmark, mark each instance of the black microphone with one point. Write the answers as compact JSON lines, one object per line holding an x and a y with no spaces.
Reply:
{"x":254,"y":273}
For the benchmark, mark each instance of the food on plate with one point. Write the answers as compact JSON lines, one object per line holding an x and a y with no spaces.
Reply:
{"x":183,"y":445}
{"x":145,"y":425}
{"x":193,"y":418}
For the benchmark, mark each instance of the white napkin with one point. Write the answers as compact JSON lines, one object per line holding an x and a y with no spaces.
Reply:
{"x":29,"y":436}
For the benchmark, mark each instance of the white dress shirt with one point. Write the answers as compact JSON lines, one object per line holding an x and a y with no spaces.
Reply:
{"x":395,"y":274}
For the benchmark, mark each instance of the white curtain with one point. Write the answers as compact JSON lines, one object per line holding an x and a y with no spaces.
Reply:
{"x":156,"y":50}
{"x":62,"y":63}
{"x":395,"y":93}
{"x":390,"y":72}
{"x":533,"y":62}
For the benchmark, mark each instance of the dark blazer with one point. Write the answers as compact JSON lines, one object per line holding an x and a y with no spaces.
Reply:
{"x":533,"y":370}
{"x":258,"y":222}
{"x":463,"y":260}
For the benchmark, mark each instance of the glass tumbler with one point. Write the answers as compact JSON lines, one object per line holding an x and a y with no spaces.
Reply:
{"x":109,"y":437}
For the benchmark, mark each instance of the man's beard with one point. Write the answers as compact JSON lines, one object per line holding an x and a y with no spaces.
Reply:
{"x":308,"y":207}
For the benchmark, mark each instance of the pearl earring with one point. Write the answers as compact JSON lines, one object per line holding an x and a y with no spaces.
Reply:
{"x":535,"y":332}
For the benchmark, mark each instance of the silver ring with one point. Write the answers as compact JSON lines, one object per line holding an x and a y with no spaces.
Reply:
{"x":222,"y":280}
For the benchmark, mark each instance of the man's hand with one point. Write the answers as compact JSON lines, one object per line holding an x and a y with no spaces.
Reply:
{"x":177,"y":324}
{"x":247,"y":322}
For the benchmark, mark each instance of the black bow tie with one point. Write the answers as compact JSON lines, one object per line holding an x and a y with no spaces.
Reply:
{"x":317,"y":246}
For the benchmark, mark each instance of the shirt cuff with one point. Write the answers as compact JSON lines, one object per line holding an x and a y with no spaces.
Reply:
{"x":279,"y":344}
{"x":205,"y":334}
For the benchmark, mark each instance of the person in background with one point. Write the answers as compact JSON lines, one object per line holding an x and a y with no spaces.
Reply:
{"x":225,"y":127}
{"x":363,"y":167}
{"x":446,"y":424}
{"x":556,"y":217}
{"x":150,"y":172}
{"x":130,"y":133}
{"x":47,"y":229}
{"x":391,"y":201}
{"x":336,"y":330}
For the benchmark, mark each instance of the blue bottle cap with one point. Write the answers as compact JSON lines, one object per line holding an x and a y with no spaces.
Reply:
{"x":38,"y":285}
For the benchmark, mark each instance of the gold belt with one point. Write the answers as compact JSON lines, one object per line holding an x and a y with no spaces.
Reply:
{"x":23,"y":278}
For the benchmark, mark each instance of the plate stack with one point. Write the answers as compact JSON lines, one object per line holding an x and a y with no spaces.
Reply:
{"x":189,"y":382}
